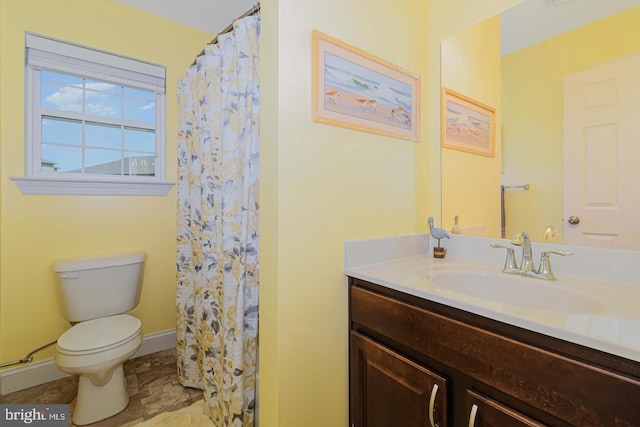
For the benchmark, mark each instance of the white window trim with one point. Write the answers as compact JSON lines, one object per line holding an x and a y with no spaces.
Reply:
{"x":39,"y":185}
{"x":45,"y":52}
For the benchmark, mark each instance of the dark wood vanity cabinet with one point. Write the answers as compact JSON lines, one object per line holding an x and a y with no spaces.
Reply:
{"x":414,"y":362}
{"x":391,"y":390}
{"x":486,"y":412}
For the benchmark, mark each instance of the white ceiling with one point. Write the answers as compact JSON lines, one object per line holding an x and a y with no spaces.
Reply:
{"x":521,"y":24}
{"x":532,"y":21}
{"x":211,"y":16}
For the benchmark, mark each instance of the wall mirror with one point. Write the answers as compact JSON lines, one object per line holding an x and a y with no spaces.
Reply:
{"x":564,"y":79}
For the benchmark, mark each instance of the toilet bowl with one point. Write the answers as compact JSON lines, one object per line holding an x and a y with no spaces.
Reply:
{"x":96,"y":292}
{"x":95,"y":350}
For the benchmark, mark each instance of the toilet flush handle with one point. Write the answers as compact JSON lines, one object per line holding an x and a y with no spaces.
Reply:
{"x":69,"y":275}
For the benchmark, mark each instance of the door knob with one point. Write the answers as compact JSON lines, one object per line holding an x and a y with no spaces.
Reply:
{"x":573,"y":220}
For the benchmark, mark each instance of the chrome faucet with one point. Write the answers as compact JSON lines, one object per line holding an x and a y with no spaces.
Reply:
{"x":521,"y":238}
{"x":526,"y":267}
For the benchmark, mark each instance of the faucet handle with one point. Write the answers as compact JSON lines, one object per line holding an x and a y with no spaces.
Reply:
{"x":545,"y":266}
{"x":510,"y":262}
{"x":498,"y":245}
{"x":563,"y":253}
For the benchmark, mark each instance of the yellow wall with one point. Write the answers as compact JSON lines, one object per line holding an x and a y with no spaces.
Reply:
{"x":36,"y":230}
{"x":322,"y":185}
{"x":1,"y":39}
{"x":471,"y":183}
{"x":533,"y":117}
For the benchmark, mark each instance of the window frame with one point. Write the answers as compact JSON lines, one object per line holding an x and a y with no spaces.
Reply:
{"x":44,"y":53}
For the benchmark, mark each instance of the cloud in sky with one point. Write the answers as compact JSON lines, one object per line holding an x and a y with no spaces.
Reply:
{"x":102,"y":99}
{"x":69,"y":98}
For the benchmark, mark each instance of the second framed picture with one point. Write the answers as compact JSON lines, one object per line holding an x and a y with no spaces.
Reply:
{"x":467,"y":125}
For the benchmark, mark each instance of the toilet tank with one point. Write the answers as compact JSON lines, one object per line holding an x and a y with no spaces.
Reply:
{"x":100,"y":286}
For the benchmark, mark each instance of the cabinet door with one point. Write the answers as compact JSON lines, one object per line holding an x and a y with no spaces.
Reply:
{"x":388,"y":389}
{"x":485,"y":412}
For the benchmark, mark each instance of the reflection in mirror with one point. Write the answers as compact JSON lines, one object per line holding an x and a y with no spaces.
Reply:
{"x":564,"y":79}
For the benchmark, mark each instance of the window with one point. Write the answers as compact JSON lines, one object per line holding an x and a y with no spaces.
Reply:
{"x":94,"y":122}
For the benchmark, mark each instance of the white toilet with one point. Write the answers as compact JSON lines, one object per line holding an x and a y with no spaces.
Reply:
{"x":95,"y":293}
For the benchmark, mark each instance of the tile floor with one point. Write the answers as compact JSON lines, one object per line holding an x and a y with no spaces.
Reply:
{"x":153,"y":388}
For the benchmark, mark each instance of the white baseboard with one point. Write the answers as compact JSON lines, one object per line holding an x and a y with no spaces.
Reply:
{"x":154,"y":343}
{"x":37,"y":373}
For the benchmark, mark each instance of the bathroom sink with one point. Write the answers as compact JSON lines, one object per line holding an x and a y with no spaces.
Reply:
{"x":513,"y":290}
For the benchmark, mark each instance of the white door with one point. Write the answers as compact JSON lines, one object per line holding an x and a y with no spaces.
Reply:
{"x":602,"y":155}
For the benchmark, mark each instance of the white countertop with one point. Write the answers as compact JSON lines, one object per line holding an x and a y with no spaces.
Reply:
{"x":404,"y":264}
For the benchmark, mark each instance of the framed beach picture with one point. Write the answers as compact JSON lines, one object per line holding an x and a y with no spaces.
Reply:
{"x":356,"y":90}
{"x":467,"y":125}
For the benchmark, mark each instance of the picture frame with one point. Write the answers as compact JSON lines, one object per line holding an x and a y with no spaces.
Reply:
{"x":356,"y":90}
{"x":467,"y":125}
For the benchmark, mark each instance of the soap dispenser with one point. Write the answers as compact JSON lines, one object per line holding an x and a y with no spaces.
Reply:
{"x":456,"y":228}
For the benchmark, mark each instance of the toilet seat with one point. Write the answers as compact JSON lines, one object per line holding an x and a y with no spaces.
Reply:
{"x":99,"y":335}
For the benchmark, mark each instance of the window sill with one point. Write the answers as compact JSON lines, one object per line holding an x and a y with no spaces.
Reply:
{"x":31,"y":185}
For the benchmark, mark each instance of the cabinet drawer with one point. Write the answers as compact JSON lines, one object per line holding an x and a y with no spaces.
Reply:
{"x":485,"y":412}
{"x":387,"y":389}
{"x":576,"y":392}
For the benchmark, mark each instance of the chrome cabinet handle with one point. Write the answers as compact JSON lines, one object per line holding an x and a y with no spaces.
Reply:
{"x":432,"y":404}
{"x":472,"y":415}
{"x":574,"y":220}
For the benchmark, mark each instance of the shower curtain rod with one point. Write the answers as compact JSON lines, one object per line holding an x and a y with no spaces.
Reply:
{"x":254,"y":9}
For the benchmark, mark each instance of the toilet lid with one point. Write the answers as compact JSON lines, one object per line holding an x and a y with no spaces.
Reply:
{"x":99,"y":334}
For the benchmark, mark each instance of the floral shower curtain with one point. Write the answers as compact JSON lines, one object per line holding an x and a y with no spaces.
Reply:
{"x":217,"y":232}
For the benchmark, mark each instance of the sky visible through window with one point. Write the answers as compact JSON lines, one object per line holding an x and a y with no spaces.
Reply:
{"x":90,"y":126}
